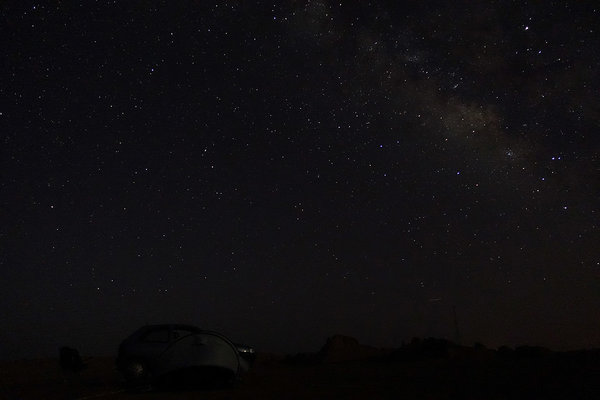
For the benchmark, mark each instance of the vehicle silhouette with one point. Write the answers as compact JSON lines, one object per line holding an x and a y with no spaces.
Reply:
{"x":177,"y":354}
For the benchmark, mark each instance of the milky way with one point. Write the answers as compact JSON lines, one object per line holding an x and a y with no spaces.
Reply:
{"x":285,"y":172}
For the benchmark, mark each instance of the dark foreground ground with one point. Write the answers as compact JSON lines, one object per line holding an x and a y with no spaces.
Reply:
{"x":479,"y":376}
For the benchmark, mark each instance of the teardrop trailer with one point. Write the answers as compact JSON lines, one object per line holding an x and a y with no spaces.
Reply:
{"x":182,"y":354}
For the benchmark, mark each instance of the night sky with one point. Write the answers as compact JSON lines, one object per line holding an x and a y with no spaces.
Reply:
{"x":284,"y":171}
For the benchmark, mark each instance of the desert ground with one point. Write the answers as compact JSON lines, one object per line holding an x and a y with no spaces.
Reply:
{"x":344,"y":370}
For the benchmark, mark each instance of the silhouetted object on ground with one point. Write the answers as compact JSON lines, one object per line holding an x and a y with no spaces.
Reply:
{"x":505,"y":352}
{"x":181,"y":355}
{"x":479,"y":346}
{"x":340,"y":348}
{"x":70,"y":360}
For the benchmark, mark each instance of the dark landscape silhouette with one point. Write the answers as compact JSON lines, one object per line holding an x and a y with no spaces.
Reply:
{"x":432,"y":368}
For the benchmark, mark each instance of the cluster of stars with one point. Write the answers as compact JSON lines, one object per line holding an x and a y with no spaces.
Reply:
{"x":229,"y":150}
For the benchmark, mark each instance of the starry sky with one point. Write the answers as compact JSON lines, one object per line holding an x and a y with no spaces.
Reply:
{"x":285,"y":171}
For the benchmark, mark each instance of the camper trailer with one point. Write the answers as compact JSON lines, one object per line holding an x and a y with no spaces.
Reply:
{"x":168,"y":352}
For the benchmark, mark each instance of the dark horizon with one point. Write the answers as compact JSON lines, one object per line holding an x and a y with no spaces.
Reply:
{"x":90,"y":345}
{"x":282,"y":173}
